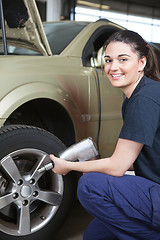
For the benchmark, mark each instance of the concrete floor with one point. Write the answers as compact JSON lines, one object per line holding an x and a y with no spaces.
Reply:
{"x":74,"y":225}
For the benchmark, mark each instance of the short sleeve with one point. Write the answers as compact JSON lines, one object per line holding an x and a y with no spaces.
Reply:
{"x":141,"y":120}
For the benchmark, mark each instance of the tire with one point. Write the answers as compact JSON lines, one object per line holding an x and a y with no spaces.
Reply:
{"x":32,"y":204}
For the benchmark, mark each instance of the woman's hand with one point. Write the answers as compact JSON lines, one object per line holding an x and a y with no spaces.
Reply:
{"x":60,"y":165}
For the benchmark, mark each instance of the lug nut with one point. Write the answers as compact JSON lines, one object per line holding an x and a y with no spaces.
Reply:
{"x":25,"y":203}
{"x":35,"y":194}
{"x":32,"y":181}
{"x":15,"y":195}
{"x":20,"y":182}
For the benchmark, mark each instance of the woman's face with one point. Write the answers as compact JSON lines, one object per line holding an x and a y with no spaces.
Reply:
{"x":123,"y":67}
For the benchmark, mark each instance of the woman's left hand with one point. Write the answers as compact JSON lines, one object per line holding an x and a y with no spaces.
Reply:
{"x":60,"y":165}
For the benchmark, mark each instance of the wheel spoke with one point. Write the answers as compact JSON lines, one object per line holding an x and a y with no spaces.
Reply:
{"x":49,"y":197}
{"x":34,"y":171}
{"x":10,"y":167}
{"x":24,"y":220}
{"x":6,"y":200}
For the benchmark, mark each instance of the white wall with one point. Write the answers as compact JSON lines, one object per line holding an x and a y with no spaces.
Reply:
{"x":53,"y":10}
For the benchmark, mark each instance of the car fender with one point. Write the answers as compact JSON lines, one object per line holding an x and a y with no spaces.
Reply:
{"x":31,"y":91}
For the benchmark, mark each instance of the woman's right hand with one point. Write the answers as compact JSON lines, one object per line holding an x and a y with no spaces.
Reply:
{"x":60,"y":165}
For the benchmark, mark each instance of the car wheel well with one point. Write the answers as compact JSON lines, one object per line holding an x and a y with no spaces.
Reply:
{"x":46,"y":114}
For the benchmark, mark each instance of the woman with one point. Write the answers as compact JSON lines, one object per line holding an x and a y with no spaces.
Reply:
{"x":126,"y":207}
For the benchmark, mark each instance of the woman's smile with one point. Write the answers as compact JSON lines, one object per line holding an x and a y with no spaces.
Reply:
{"x":117,"y":76}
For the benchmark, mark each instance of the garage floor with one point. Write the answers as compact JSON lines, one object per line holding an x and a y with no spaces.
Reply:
{"x":75,"y":224}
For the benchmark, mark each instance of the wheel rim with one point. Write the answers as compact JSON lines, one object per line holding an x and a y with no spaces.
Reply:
{"x":31,"y":198}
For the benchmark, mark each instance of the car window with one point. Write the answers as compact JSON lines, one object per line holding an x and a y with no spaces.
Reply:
{"x":95,"y":42}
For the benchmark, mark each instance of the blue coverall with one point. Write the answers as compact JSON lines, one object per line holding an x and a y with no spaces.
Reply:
{"x":128,"y":207}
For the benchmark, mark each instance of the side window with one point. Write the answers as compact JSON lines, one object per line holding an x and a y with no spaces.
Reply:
{"x":95,"y":42}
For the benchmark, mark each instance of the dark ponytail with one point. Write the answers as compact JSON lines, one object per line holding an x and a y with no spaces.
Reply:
{"x":141,"y":47}
{"x":151,"y":70}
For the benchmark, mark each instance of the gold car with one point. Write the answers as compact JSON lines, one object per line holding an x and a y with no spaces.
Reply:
{"x":53,"y":93}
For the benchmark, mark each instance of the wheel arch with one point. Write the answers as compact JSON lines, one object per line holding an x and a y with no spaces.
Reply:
{"x":41,"y":113}
{"x":40,"y":105}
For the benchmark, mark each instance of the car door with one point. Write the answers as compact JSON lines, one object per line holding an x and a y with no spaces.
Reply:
{"x":107,"y":102}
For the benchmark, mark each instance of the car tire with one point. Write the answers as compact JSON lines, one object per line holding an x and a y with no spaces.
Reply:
{"x":32,"y":204}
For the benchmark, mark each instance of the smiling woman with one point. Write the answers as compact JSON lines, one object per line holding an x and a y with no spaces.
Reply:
{"x":105,"y":191}
{"x":128,"y":62}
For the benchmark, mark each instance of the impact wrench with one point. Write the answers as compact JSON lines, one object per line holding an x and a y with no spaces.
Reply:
{"x":82,"y":151}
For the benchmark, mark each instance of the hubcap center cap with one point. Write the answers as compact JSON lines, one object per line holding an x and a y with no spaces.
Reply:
{"x":26,"y":191}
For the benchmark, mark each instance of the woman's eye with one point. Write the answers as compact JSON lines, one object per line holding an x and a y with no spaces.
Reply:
{"x":107,"y":60}
{"x":123,"y":59}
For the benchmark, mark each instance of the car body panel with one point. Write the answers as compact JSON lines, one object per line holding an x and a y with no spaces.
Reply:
{"x":75,"y":88}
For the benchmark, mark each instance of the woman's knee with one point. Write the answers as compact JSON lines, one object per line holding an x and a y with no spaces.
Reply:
{"x":91,"y":184}
{"x":85,"y":186}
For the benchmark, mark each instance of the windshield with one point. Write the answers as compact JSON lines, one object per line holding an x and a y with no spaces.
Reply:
{"x":59,"y":35}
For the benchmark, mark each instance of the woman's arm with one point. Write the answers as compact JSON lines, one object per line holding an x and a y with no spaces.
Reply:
{"x":125,"y":154}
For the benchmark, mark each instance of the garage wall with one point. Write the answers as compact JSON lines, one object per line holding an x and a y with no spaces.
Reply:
{"x":141,"y":16}
{"x":140,"y":8}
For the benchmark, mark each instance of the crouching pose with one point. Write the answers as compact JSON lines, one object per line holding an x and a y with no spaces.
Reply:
{"x":126,"y":207}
